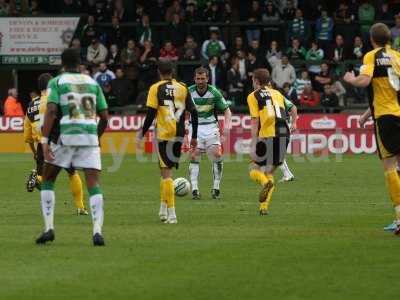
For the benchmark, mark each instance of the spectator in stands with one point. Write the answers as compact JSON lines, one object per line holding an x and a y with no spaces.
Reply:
{"x":148,"y":66}
{"x":329,"y":100}
{"x":384,"y":13}
{"x":144,"y":31}
{"x":34,"y":8}
{"x":4,"y":8}
{"x":324,"y":30}
{"x":309,"y":98}
{"x":301,"y":82}
{"x":70,"y":7}
{"x":342,"y":14}
{"x":290,"y":93}
{"x":139,"y":13}
{"x":235,"y":84}
{"x":238,"y":45}
{"x":315,"y":53}
{"x":176,"y":31}
{"x":260,"y":54}
{"x":175,"y":8}
{"x":323,"y":78}
{"x":283,"y":72}
{"x":168,"y":52}
{"x":76,"y":44}
{"x":122,"y":88}
{"x":157,"y":14}
{"x":227,"y":13}
{"x":339,"y":51}
{"x":12,"y":106}
{"x":270,"y":14}
{"x":299,"y":28}
{"x":358,"y":48}
{"x":89,"y":31}
{"x":89,"y":7}
{"x":130,"y":55}
{"x":213,"y":46}
{"x":274,"y":54}
{"x":242,"y":64}
{"x":104,"y":75}
{"x":114,"y":56}
{"x":111,"y":99}
{"x":130,"y":61}
{"x":254,"y":15}
{"x":366,"y":17}
{"x":192,"y":14}
{"x":215,"y":71}
{"x":252,"y":64}
{"x":212,"y":13}
{"x":120,"y":11}
{"x":96,"y":52}
{"x":395,"y":31}
{"x":190,"y":50}
{"x":84,"y":70}
{"x":296,"y":51}
{"x":115,"y":34}
{"x":101,"y":14}
{"x":289,"y":11}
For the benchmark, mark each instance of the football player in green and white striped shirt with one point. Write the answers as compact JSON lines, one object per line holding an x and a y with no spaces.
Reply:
{"x":208,"y":100}
{"x":70,"y":138}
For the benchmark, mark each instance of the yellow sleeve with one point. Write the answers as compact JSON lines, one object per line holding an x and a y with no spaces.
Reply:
{"x":368,"y":65}
{"x":253,"y":106}
{"x":152,"y":99}
{"x":28,"y":138}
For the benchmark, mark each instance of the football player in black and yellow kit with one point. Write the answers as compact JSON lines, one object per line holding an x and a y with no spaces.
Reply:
{"x":167,"y":102}
{"x":380,"y":73}
{"x":32,"y":135}
{"x":269,"y":134}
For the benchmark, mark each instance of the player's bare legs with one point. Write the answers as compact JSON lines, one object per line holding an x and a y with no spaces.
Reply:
{"x":194,"y":170}
{"x":96,"y":201}
{"x":168,"y":194}
{"x":48,"y":201}
{"x":215,"y":155}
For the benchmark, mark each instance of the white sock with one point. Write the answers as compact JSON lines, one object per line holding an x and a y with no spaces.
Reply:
{"x":48,"y":200}
{"x":171,"y":213}
{"x":285,"y":170}
{"x":96,"y":208}
{"x":163,"y":209}
{"x":194,"y":170}
{"x":217,"y":168}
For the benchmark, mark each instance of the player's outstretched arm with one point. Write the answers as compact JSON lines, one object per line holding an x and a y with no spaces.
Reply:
{"x":360,"y":81}
{"x":48,"y":123}
{"x":101,"y":127}
{"x":293,"y":115}
{"x":364,"y":117}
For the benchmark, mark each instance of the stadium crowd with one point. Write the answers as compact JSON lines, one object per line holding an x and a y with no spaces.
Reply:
{"x":306,"y":45}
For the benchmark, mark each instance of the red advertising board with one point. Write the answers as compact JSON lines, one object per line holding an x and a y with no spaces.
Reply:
{"x":329,"y":133}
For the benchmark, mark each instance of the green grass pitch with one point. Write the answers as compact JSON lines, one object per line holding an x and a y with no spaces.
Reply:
{"x":322,"y":240}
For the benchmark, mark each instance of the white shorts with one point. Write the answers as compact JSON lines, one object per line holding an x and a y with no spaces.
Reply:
{"x":207,"y":136}
{"x":78,"y":157}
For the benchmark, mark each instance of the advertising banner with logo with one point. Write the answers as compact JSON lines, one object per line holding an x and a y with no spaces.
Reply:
{"x":317,"y":133}
{"x":35,"y":40}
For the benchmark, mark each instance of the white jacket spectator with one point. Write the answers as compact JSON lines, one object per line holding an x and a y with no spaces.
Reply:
{"x":96,"y":52}
{"x":283,"y":72}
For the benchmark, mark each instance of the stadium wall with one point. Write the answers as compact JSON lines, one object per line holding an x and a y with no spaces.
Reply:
{"x":317,"y":133}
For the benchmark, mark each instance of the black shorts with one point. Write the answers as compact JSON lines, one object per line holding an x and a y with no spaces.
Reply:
{"x":40,"y":161}
{"x":169,"y":153}
{"x":271,"y":151}
{"x":387,"y":134}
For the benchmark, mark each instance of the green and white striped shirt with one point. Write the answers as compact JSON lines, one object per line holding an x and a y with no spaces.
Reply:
{"x":207,"y":104}
{"x":79,"y":98}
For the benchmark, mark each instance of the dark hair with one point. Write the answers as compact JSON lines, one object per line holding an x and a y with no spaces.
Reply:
{"x":380,"y":34}
{"x":212,"y":57}
{"x":70,"y":58}
{"x":262,"y":75}
{"x":43,"y":80}
{"x":165,"y":67}
{"x":201,"y":70}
